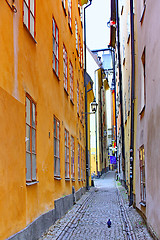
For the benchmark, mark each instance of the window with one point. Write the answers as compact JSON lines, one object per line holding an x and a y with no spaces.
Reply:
{"x":69,"y":13}
{"x":143,"y":92}
{"x":29,"y":15}
{"x":142,"y":175}
{"x":56,"y":147}
{"x":30,"y":139}
{"x":72,"y":158}
{"x":65,"y":71}
{"x":66,"y":154}
{"x":77,"y":97}
{"x":71,"y":80}
{"x":76,"y":32}
{"x":55,"y":48}
{"x":79,"y":161}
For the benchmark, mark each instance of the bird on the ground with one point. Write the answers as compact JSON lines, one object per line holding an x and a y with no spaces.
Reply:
{"x":109,"y":223}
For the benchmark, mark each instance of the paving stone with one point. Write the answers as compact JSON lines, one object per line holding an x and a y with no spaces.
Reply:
{"x":88,"y":218}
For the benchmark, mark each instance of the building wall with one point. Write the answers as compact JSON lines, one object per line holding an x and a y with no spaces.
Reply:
{"x":26,"y":67}
{"x":148,"y":118}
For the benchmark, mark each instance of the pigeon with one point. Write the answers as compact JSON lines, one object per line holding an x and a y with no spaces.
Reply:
{"x":109,"y":223}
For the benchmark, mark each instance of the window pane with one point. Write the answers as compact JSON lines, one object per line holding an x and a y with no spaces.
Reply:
{"x":54,"y":165}
{"x":28,"y":138}
{"x":55,"y":146}
{"x":26,"y":1}
{"x":27,"y":111}
{"x":31,"y":24}
{"x":54,"y":44}
{"x":54,"y":127}
{"x":58,"y":160}
{"x":56,"y":34}
{"x":57,"y":51}
{"x":58,"y":130}
{"x":57,"y":68}
{"x":33,"y":167}
{"x":53,"y":28}
{"x":33,"y":140}
{"x":33,"y":115}
{"x":28,"y":166}
{"x":25,"y":15}
{"x":32,"y":6}
{"x":54,"y":62}
{"x":58,"y":149}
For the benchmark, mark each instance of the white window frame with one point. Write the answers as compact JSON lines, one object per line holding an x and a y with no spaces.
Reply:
{"x":56,"y":124}
{"x":31,"y":169}
{"x":67,"y":172}
{"x":29,"y":16}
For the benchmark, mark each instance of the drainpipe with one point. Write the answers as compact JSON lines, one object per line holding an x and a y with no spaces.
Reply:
{"x":86,"y":110}
{"x":120,"y":86}
{"x":132,"y":103}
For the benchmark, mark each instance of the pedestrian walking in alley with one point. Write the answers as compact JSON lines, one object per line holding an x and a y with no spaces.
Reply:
{"x":88,"y":217}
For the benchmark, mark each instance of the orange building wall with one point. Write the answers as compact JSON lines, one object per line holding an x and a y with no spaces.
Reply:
{"x":26,"y":66}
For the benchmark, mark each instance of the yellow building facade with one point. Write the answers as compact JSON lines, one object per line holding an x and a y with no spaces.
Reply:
{"x":41,"y":103}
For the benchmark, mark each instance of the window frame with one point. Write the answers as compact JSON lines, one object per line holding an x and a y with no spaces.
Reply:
{"x":67,"y":162}
{"x":27,"y":23}
{"x":56,"y":138}
{"x":76,"y":34}
{"x":55,"y":52}
{"x":71,"y":81}
{"x":65,"y":68}
{"x":70,"y":13}
{"x":143,"y":82}
{"x":31,"y":128}
{"x":72,"y":158}
{"x":142,"y":176}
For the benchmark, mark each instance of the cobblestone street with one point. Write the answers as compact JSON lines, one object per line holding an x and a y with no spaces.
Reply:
{"x":88,"y":217}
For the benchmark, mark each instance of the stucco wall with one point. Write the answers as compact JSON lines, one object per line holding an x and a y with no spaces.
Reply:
{"x":148,"y":123}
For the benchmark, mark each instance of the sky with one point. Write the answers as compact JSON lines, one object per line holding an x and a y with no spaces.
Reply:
{"x":97,"y":32}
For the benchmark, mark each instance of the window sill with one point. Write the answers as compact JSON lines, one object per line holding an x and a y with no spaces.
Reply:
{"x":56,"y":74}
{"x":57,"y":178}
{"x":73,"y":180}
{"x":29,"y":33}
{"x":67,"y":179}
{"x":142,"y":204}
{"x":31,"y":183}
{"x":142,"y":16}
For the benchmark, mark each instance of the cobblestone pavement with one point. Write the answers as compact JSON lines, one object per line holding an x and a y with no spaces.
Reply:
{"x":88,"y":218}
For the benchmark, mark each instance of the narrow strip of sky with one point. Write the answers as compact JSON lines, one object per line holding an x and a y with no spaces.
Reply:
{"x":97,"y":32}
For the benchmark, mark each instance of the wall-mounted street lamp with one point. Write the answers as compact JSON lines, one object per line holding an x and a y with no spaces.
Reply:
{"x":94,"y":106}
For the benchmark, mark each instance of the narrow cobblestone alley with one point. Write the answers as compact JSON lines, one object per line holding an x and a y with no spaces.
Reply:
{"x":88,"y":217}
